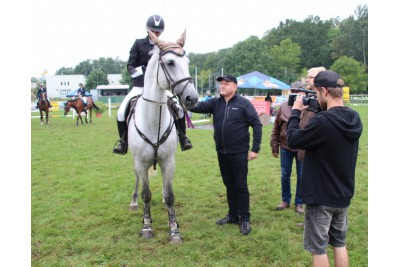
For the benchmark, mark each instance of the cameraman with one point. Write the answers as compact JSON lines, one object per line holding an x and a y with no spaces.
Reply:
{"x":331,"y":142}
{"x":278,"y":144}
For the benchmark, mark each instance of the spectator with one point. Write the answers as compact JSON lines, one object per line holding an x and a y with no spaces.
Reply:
{"x":330,"y":140}
{"x":287,"y":155}
{"x":233,"y":115}
{"x":269,"y":99}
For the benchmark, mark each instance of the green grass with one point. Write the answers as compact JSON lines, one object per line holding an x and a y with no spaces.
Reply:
{"x":80,"y":193}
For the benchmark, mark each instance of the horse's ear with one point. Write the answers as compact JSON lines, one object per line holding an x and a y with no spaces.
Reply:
{"x":154,"y":38}
{"x":181,"y":41}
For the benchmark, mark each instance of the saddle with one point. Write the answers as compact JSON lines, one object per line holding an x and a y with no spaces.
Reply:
{"x":131,"y":107}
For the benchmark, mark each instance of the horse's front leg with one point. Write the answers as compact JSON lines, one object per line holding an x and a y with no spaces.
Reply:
{"x":168,"y":194}
{"x":146,"y":232}
{"x":41,"y":117}
{"x":47,"y":117}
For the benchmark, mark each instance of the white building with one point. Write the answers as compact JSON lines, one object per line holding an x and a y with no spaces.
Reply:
{"x":58,"y":86}
{"x":61,"y":85}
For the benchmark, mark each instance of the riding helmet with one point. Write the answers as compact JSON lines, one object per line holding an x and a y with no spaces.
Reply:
{"x":155,"y":23}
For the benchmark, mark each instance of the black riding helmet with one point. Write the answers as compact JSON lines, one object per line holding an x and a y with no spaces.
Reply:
{"x":155,"y":23}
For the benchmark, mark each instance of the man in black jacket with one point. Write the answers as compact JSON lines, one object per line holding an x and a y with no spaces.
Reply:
{"x":330,"y":140}
{"x":232,"y":116}
{"x":137,"y":63}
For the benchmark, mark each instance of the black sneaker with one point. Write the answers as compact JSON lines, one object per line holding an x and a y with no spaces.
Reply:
{"x":245,"y":228}
{"x":227,"y":220}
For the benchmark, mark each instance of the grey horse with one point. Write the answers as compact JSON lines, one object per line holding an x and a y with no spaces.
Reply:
{"x":152,"y":139}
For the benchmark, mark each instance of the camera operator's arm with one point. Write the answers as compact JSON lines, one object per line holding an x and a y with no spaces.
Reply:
{"x":298,"y":104}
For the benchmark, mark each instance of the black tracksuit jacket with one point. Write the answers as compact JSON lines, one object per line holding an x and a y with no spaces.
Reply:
{"x":231,"y":124}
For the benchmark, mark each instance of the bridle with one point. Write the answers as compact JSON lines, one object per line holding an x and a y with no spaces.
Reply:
{"x":171,"y":84}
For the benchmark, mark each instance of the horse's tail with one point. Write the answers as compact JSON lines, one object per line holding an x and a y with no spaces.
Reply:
{"x":94,"y":105}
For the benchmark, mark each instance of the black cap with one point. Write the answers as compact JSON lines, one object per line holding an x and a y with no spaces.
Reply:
{"x":328,"y":79}
{"x":228,"y":78}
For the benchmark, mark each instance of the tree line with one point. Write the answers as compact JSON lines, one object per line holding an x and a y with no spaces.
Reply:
{"x":284,"y":52}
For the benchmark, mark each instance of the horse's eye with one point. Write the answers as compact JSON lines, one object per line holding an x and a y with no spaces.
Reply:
{"x":170,"y":62}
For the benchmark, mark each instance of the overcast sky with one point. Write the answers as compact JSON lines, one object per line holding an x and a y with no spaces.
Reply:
{"x":65,"y":33}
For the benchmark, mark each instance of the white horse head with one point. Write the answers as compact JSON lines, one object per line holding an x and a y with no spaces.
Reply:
{"x":173,"y":69}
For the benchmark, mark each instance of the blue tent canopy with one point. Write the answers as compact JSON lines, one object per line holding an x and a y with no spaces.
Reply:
{"x":258,"y":80}
{"x":75,"y":93}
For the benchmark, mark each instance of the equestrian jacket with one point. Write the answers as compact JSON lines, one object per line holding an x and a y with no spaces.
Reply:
{"x":231,"y":124}
{"x":41,"y":90}
{"x":331,"y":142}
{"x":139,"y":56}
{"x":81,"y":91}
{"x":278,"y":135}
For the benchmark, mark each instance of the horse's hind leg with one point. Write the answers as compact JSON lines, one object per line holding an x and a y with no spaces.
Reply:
{"x":134,"y":202}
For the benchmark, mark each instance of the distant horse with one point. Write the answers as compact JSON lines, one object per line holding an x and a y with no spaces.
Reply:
{"x":43,"y":107}
{"x":77,"y":104}
{"x":152,"y":137}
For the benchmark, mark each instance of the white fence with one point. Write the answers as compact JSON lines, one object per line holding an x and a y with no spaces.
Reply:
{"x":358,"y":100}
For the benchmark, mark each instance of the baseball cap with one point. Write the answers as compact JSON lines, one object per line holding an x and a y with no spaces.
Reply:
{"x":328,"y":79}
{"x":228,"y":78}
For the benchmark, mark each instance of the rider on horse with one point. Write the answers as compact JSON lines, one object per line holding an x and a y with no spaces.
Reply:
{"x":138,"y":59}
{"x":41,"y":90}
{"x":81,"y":94}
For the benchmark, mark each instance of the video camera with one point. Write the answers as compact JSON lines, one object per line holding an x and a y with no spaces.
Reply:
{"x":310,"y":100}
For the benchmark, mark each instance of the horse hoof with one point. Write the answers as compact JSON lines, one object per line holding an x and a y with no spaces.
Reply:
{"x":146,"y":233}
{"x":133,"y":207}
{"x":175,"y":239}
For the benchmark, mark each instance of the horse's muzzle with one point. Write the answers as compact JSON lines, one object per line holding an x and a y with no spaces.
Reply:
{"x":190,"y":101}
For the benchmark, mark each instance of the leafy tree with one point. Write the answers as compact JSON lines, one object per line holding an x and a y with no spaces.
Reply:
{"x":353,"y":38}
{"x":353,"y":74}
{"x":126,"y":78}
{"x":84,"y":67}
{"x":96,"y":77}
{"x":65,"y":71}
{"x":285,"y":60}
{"x":203,"y":79}
{"x":245,"y":57}
{"x":312,"y":35}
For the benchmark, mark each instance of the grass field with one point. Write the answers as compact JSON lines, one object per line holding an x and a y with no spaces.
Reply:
{"x":80,"y":193}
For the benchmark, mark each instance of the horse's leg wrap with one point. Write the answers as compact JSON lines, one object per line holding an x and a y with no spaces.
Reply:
{"x":174,"y":235}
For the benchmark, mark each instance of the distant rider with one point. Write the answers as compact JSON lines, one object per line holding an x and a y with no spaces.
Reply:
{"x":81,"y":93}
{"x":41,"y":90}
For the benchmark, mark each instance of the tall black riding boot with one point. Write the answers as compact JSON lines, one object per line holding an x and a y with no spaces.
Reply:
{"x":122,"y":146}
{"x":184,"y":141}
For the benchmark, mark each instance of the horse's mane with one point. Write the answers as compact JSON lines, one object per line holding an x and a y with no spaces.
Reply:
{"x":72,"y":100}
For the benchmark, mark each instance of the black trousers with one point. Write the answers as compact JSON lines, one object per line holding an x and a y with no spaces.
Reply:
{"x":234,"y":169}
